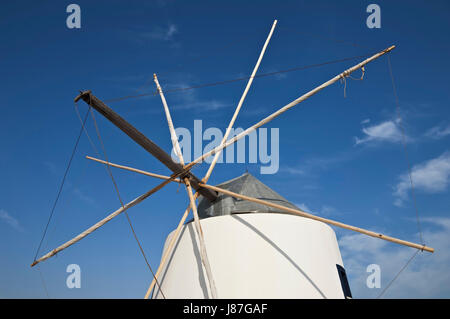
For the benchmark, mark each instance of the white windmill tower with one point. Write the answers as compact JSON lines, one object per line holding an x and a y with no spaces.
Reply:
{"x":255,"y":251}
{"x":245,"y":240}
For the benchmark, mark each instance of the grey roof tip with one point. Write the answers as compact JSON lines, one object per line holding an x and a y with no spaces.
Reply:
{"x":245,"y":184}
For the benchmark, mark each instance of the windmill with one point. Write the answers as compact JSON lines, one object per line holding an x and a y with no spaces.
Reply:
{"x":226,"y":256}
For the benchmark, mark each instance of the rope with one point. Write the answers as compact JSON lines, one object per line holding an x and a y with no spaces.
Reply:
{"x":195,"y":59}
{"x":58,"y":218}
{"x":62,"y":183}
{"x":117,"y":99}
{"x":344,"y":80}
{"x":43,"y":281}
{"x":347,"y":74}
{"x":240,"y":37}
{"x":121,"y":202}
{"x":410,"y":178}
{"x":86,"y":132}
{"x":405,"y":149}
{"x":398,"y":274}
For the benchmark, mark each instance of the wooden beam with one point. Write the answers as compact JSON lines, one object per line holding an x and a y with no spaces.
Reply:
{"x":142,"y":140}
{"x":285,"y":108}
{"x":104,"y":221}
{"x":133,"y":169}
{"x":173,"y":134}
{"x":241,"y":101}
{"x":324,"y":220}
{"x":201,"y":239}
{"x":302,"y":98}
{"x":198,"y":228}
{"x":267,"y":119}
{"x":208,"y":174}
{"x":373,"y":234}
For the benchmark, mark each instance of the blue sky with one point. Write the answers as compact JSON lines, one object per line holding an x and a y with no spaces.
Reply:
{"x":341,"y":158}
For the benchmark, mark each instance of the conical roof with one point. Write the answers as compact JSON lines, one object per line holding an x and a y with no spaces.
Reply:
{"x":245,"y":184}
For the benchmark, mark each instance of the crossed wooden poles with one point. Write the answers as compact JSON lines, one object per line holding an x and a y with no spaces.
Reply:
{"x":181,"y":171}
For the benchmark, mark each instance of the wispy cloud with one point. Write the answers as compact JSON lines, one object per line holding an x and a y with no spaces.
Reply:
{"x":431,"y":176}
{"x":325,"y":210}
{"x":310,"y":165}
{"x":75,"y":190}
{"x":208,"y":105}
{"x":161,"y":33}
{"x":7,"y":218}
{"x":184,"y":100}
{"x":304,"y":207}
{"x":438,"y":132}
{"x":81,"y":195}
{"x":426,"y":277}
{"x":276,"y":75}
{"x":190,"y":100}
{"x":293,"y":170}
{"x":387,"y":131}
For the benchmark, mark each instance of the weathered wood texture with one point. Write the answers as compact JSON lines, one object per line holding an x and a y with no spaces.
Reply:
{"x":142,"y":140}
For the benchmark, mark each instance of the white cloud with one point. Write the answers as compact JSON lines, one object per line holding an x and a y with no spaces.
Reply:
{"x":360,"y":243}
{"x":304,"y":208}
{"x":438,"y":132}
{"x":293,"y":170}
{"x":161,"y":33}
{"x":189,"y":100}
{"x":366,"y":121}
{"x":14,"y":223}
{"x":276,"y":73}
{"x":210,"y":105}
{"x":387,"y":131}
{"x":171,"y":31}
{"x":431,"y":176}
{"x":81,"y":195}
{"x":427,"y":276}
{"x":325,"y":210}
{"x":313,"y":164}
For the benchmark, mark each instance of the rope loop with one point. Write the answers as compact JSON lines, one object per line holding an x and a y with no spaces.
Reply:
{"x":344,"y":80}
{"x":346,"y":74}
{"x":362,"y":75}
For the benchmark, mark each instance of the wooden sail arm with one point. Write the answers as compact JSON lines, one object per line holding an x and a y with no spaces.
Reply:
{"x":241,"y":101}
{"x":283,"y":109}
{"x":142,"y":140}
{"x":177,"y":180}
{"x":198,"y":228}
{"x":302,"y":98}
{"x":307,"y":215}
{"x":105,"y":220}
{"x":201,"y":240}
{"x":321,"y":219}
{"x":173,"y":134}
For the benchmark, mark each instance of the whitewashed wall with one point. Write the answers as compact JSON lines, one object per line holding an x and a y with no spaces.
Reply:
{"x":256,"y":256}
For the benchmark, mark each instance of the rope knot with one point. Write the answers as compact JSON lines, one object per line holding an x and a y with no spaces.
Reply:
{"x":343,"y":77}
{"x":344,"y":74}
